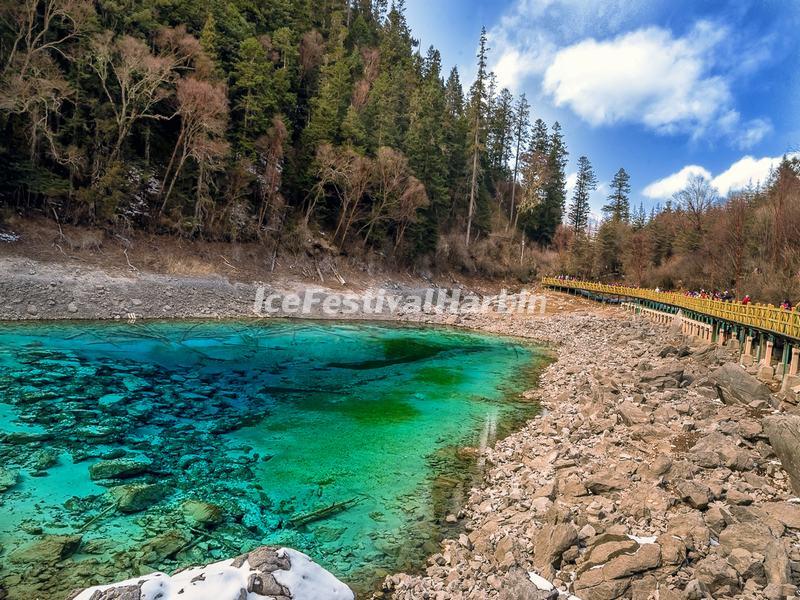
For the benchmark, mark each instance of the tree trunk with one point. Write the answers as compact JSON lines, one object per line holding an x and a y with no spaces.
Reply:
{"x":474,"y":183}
{"x":514,"y":184}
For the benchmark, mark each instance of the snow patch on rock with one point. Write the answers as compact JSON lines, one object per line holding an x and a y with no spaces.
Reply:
{"x":304,"y":579}
{"x":540,"y":582}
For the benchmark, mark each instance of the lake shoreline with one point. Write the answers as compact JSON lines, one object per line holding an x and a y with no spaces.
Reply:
{"x":640,"y":478}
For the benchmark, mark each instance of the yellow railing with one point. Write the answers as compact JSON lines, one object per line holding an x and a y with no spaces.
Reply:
{"x":759,"y":316}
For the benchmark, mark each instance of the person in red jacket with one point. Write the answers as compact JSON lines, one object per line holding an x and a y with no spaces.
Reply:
{"x":746,"y":299}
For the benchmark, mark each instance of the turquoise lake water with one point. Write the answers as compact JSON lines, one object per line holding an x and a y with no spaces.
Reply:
{"x":255,"y":427}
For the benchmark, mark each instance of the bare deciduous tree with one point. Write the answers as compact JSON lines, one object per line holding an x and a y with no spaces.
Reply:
{"x":312,"y":48}
{"x":203,"y":110}
{"x":696,"y":199}
{"x":135,"y":80}
{"x":534,"y":181}
{"x":270,"y":160}
{"x":31,"y":82}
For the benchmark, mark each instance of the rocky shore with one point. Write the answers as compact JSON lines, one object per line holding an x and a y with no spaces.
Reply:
{"x":651,"y":473}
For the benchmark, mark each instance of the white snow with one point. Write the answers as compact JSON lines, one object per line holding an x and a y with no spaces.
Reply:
{"x":8,"y":237}
{"x":309,"y":581}
{"x":223,"y":581}
{"x":540,"y":582}
{"x":643,"y":540}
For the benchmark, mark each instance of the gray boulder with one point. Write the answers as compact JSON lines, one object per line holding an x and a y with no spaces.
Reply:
{"x":734,"y":385}
{"x":784,"y":436}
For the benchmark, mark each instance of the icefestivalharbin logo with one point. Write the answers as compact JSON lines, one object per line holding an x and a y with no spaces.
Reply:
{"x":385,"y":302}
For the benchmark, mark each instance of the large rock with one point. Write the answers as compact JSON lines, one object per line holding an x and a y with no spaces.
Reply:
{"x":612,"y":579}
{"x":734,"y":385}
{"x":695,"y":494}
{"x":784,"y":436}
{"x":202,"y":513}
{"x":753,"y":537}
{"x":119,"y":468}
{"x":668,"y":376}
{"x":716,"y":574}
{"x":8,"y":478}
{"x":551,"y":542}
{"x":609,"y":480}
{"x":716,"y":449}
{"x":631,"y":414}
{"x":136,"y":497}
{"x":264,"y":572}
{"x":776,"y":563}
{"x":603,"y":548}
{"x":787,"y":513}
{"x":46,"y":551}
{"x":647,"y":557}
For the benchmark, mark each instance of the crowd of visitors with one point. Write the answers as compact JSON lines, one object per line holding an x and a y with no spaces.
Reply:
{"x":726,"y":296}
{"x":723,"y":296}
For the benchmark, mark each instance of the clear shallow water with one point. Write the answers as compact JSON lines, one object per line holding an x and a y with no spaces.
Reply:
{"x":266,"y":423}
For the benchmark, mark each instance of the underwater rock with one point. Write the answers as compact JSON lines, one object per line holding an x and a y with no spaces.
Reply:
{"x":266,"y":571}
{"x":135,"y":497}
{"x":43,"y":460}
{"x":8,"y":478}
{"x":26,"y":437}
{"x":165,"y":545}
{"x":118,"y":468}
{"x":202,"y":513}
{"x":46,"y":551}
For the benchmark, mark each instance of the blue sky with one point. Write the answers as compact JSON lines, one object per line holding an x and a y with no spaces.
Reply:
{"x":664,"y":88}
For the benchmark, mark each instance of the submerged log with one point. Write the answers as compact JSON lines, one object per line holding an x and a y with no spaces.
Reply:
{"x":323,"y":513}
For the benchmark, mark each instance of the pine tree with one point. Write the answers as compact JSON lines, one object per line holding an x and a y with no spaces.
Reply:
{"x":329,"y":106}
{"x":501,"y":133}
{"x":542,"y":223}
{"x":534,"y":176}
{"x":585,"y":184}
{"x":478,"y":107}
{"x":425,"y":146}
{"x":619,"y":204}
{"x":539,"y":138}
{"x":353,"y":131}
{"x":256,"y":98}
{"x":639,"y":218}
{"x":609,"y":248}
{"x":456,"y":141}
{"x":209,"y":38}
{"x":386,"y":115}
{"x":521,"y":124}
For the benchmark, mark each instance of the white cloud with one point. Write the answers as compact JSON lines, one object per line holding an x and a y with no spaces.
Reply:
{"x":745,"y":172}
{"x":645,"y":76}
{"x":753,"y":132}
{"x":600,"y":59}
{"x":530,"y":32}
{"x":571,"y":180}
{"x":665,"y":188}
{"x":513,"y":67}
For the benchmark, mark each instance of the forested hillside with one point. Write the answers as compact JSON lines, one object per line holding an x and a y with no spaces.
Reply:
{"x":303,"y":123}
{"x":275,"y":121}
